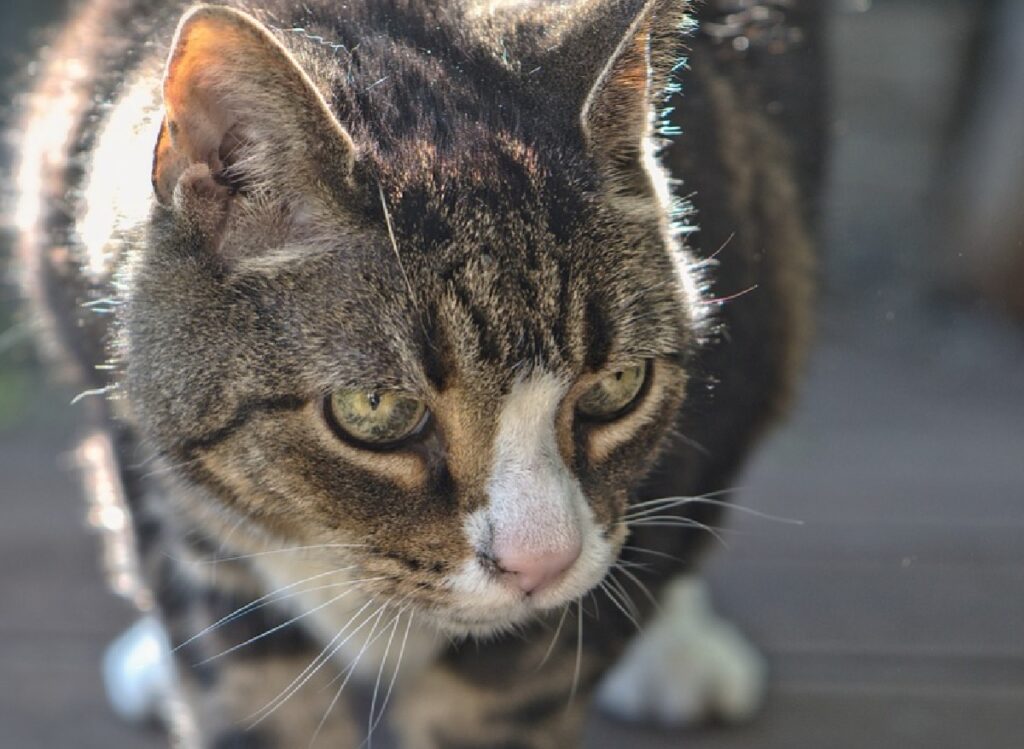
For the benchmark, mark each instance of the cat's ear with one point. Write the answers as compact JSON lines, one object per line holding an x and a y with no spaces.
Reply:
{"x":621,"y":110}
{"x":241,"y":114}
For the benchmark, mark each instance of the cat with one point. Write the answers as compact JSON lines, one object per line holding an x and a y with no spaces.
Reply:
{"x":416,"y":355}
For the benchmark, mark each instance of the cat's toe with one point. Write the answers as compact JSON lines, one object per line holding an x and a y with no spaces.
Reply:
{"x":689,"y":665}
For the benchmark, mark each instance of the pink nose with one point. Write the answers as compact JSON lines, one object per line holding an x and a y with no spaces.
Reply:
{"x":532,"y":571}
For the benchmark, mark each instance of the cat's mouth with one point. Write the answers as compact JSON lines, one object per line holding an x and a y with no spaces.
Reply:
{"x":463,"y":623}
{"x":484,"y":605}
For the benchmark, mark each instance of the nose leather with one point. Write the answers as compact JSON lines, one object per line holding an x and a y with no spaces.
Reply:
{"x":532,"y":571}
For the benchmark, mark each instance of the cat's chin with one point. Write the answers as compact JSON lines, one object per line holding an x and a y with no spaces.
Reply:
{"x":481,"y":621}
{"x":484,"y":624}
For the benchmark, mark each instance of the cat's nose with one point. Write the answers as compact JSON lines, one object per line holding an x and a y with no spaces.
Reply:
{"x":532,"y":571}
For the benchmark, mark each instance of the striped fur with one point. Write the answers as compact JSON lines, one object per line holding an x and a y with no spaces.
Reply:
{"x":449,"y":199}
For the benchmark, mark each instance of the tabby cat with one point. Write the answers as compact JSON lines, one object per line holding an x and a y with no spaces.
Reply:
{"x":418,"y":358}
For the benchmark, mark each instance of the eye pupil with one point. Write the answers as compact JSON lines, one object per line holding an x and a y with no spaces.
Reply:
{"x":374,"y":400}
{"x":619,"y":375}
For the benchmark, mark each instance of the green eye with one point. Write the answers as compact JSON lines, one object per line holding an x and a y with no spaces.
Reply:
{"x":613,"y":395}
{"x":376,"y":419}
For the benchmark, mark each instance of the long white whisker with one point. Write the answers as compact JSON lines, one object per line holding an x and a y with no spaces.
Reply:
{"x":652,"y":552}
{"x":668,"y":504}
{"x":661,"y":500}
{"x":397,"y":667}
{"x":665,"y":503}
{"x":279,"y":627}
{"x":623,"y":593}
{"x":643,"y":588}
{"x":669,"y":521}
{"x":256,"y":604}
{"x":579,"y":654}
{"x":370,"y":638}
{"x":747,"y":510}
{"x":611,"y":597}
{"x":315,"y":665}
{"x":554,"y":640}
{"x":368,"y":741}
{"x":394,"y":678}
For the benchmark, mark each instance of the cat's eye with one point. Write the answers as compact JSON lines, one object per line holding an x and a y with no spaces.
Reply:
{"x":613,"y":395}
{"x":376,"y":419}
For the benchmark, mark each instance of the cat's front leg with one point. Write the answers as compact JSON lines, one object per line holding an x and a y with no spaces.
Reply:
{"x":688,"y":665}
{"x":522,"y":691}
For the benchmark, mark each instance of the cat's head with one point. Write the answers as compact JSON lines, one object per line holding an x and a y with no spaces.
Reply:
{"x":422,"y":300}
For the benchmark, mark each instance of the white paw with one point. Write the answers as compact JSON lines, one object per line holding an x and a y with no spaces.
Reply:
{"x":687,"y":666}
{"x":138,"y":673}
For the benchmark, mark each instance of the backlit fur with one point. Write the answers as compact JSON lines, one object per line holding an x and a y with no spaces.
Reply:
{"x":466,"y":202}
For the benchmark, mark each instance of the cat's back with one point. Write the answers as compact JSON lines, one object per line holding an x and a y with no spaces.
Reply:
{"x":66,"y":207}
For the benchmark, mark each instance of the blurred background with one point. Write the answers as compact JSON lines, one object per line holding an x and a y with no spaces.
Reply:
{"x":894,"y":615}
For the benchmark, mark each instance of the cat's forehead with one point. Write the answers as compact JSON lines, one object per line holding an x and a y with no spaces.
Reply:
{"x":508,"y":276}
{"x":492,"y":187}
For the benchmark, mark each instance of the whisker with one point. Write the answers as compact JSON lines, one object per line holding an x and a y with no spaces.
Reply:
{"x":747,"y":510}
{"x":652,"y":552}
{"x":291,"y":621}
{"x":94,"y":392}
{"x":643,"y":588}
{"x":394,"y":678}
{"x":558,"y":631}
{"x":731,"y":297}
{"x":256,"y":604}
{"x":718,"y":252}
{"x":623,"y":593}
{"x":315,"y":665}
{"x":368,"y":741}
{"x":611,"y":597}
{"x":674,"y":521}
{"x":678,"y":499}
{"x":579,"y":654}
{"x":665,"y":503}
{"x":351,"y":669}
{"x":390,"y":602}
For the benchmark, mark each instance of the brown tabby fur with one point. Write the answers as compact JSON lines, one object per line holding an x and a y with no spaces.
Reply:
{"x":442,"y":201}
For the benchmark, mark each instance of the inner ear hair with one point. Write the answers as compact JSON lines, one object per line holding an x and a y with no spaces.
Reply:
{"x":620,"y":112}
{"x":237,"y":102}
